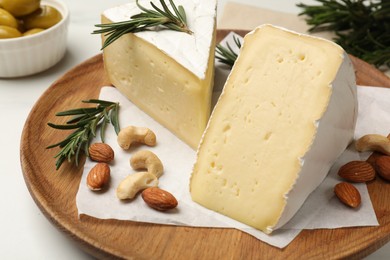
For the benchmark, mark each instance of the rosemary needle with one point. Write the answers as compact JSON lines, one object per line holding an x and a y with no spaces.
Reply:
{"x":149,"y":18}
{"x":226,"y":54}
{"x":362,"y":27}
{"x":85,"y":121}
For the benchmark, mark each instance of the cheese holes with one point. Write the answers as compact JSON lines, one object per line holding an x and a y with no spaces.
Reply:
{"x":301,"y":57}
{"x":267,"y":136}
{"x":212,"y":164}
{"x":226,"y":128}
{"x":247,"y":118}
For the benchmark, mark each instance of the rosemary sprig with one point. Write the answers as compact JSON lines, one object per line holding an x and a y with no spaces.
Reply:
{"x":174,"y":20}
{"x":362,"y":27}
{"x":226,"y":54}
{"x":85,"y":121}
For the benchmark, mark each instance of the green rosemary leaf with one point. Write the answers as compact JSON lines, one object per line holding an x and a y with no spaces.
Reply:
{"x":146,"y":20}
{"x":65,"y":141}
{"x":94,"y":125}
{"x":77,"y":111}
{"x":115,"y":119}
{"x":103,"y":128}
{"x":59,"y":162}
{"x":362,"y":27}
{"x":86,"y":127}
{"x":172,"y":26}
{"x":88,"y":119}
{"x":226,"y":54}
{"x":76,"y":119}
{"x":98,"y":101}
{"x":63,"y":127}
{"x":55,"y":145}
{"x":237,"y":41}
{"x":99,"y":120}
{"x":106,"y":115}
{"x":182,"y":13}
{"x":78,"y":150}
{"x":176,"y":10}
{"x":167,"y":12}
{"x":85,"y":144}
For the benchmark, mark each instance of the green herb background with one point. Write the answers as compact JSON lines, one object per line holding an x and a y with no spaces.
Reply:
{"x":362,"y":27}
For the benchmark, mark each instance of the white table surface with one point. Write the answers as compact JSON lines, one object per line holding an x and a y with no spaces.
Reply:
{"x":25,"y":232}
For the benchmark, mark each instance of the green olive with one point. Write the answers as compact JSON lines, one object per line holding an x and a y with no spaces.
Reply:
{"x":33,"y":31}
{"x":8,"y":32}
{"x":7,"y":19}
{"x":20,"y":7}
{"x":44,"y":17}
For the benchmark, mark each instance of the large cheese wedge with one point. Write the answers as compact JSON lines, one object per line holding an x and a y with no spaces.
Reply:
{"x":168,"y":74}
{"x":287,"y":111}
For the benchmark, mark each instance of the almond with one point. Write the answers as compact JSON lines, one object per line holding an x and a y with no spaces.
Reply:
{"x":348,"y":194}
{"x":101,"y":152}
{"x":159,"y":199}
{"x":382,"y":166}
{"x":357,"y":171}
{"x":98,"y":176}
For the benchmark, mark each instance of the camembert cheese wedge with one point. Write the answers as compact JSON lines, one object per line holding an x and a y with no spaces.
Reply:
{"x":168,"y":74}
{"x":287,"y":111}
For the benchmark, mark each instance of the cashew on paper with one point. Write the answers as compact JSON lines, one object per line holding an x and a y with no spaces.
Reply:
{"x":373,"y":142}
{"x":132,"y":134}
{"x":134,"y":183}
{"x":145,"y":159}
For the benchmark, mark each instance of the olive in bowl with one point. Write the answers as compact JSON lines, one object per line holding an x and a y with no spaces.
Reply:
{"x":20,"y":7}
{"x":44,"y":18}
{"x":7,"y":32}
{"x":7,"y":19}
{"x":35,"y":16}
{"x":36,"y":49}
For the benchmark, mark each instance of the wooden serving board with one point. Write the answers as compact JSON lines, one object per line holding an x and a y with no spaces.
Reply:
{"x":55,"y":192}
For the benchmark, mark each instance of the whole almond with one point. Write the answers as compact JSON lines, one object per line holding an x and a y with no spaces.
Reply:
{"x":357,"y":171}
{"x":101,"y":152}
{"x":382,"y":166}
{"x":159,"y":199}
{"x":98,"y":176}
{"x":348,"y":194}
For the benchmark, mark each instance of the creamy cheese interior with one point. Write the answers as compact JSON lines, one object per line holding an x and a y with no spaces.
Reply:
{"x":168,"y":74}
{"x":264,"y":124}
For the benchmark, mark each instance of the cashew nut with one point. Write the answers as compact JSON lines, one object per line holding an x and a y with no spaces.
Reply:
{"x":373,"y":142}
{"x":134,"y":183}
{"x":147,"y":160}
{"x":132,"y":134}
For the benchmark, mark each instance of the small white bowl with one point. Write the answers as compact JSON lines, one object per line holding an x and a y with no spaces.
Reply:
{"x":31,"y":54}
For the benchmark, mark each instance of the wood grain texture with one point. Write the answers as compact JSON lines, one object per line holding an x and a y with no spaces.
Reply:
{"x":55,"y":193}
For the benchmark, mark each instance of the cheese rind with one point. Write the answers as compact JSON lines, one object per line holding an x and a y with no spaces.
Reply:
{"x":168,"y":74}
{"x":287,"y":111}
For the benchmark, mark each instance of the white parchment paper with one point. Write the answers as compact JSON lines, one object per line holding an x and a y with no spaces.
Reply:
{"x":321,"y":209}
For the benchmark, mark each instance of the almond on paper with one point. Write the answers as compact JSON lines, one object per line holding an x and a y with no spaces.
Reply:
{"x":98,"y":176}
{"x":159,"y":199}
{"x":357,"y":171}
{"x":348,"y":194}
{"x":101,"y":152}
